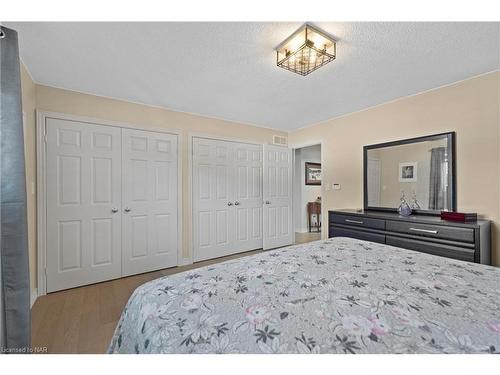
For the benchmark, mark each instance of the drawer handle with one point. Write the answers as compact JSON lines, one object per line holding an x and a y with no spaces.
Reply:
{"x":353,"y":221}
{"x":424,"y":230}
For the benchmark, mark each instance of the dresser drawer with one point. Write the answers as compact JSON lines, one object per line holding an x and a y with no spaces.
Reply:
{"x":360,"y":235}
{"x":432,"y":248}
{"x":359,"y":221}
{"x":434,"y":231}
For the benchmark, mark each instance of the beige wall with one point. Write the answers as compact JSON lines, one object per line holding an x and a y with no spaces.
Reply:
{"x":470,"y":108}
{"x":70,"y":102}
{"x":28,"y":89}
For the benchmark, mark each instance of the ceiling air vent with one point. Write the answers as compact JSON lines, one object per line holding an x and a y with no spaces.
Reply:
{"x":279,"y":140}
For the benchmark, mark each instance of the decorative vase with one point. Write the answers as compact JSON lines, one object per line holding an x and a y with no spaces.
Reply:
{"x":414,"y":204}
{"x":404,"y":208}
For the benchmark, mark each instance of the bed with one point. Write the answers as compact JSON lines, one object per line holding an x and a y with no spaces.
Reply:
{"x":335,"y":296}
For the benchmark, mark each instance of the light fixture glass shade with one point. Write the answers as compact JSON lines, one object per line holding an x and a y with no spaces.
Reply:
{"x":306,"y":50}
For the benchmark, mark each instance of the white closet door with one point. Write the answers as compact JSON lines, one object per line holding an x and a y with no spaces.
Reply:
{"x":149,"y":188}
{"x":248,"y":196}
{"x":213,"y":204}
{"x":277,"y":210}
{"x":83,"y":202}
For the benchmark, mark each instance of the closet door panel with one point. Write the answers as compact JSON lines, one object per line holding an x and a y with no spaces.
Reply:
{"x":149,"y":183}
{"x":213,"y":214}
{"x":227,"y":198}
{"x":248,"y":196}
{"x":83,"y":201}
{"x":277,"y":209}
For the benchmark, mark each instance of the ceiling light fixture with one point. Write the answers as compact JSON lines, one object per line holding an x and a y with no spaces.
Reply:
{"x":306,"y":50}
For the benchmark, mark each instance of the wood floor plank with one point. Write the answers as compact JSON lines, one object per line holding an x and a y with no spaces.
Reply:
{"x":52,"y":314}
{"x":107,"y":331}
{"x":68,"y":325}
{"x":307,"y":237}
{"x":89,"y":334}
{"x":108,"y":309}
{"x":83,"y":320}
{"x":37,"y":317}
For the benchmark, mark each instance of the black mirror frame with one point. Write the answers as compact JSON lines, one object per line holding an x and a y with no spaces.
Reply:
{"x":451,"y":178}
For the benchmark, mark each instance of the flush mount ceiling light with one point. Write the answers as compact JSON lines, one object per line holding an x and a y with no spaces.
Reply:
{"x":306,"y":50}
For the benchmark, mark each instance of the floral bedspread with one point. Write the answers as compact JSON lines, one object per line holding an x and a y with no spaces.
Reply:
{"x":335,"y":296}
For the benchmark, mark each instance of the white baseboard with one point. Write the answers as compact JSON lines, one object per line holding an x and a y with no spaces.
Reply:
{"x":185,"y":262}
{"x":33,"y":297}
{"x":306,"y":231}
{"x":302,"y":230}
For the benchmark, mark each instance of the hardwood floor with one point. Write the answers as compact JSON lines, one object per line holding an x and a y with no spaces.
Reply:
{"x":307,"y":237}
{"x":83,"y":320}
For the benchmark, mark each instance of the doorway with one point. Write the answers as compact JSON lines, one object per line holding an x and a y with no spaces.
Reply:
{"x":307,"y":193}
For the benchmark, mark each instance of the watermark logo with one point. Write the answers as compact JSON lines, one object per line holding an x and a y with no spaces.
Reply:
{"x":24,"y":350}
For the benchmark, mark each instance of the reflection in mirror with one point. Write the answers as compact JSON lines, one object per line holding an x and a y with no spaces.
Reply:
{"x":420,"y":171}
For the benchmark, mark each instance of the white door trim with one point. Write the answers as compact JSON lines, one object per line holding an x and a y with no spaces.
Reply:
{"x":41,"y":164}
{"x":191,"y":135}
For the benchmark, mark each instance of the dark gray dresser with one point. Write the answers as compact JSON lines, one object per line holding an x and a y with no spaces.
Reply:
{"x":428,"y":234}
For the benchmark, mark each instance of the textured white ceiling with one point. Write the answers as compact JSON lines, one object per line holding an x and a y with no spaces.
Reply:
{"x":228,"y":70}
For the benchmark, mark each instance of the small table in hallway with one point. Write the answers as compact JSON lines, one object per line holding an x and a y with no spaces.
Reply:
{"x":314,"y":208}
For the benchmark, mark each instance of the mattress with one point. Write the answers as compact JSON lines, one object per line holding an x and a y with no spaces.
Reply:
{"x":335,"y":296}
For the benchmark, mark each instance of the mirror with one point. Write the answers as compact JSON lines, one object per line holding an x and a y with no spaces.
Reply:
{"x":420,"y":168}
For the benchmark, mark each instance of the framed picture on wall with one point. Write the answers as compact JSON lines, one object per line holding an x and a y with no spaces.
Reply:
{"x":313,"y":173}
{"x":408,"y":172}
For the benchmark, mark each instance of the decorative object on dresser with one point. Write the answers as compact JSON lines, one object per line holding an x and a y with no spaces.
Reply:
{"x":458,"y":216}
{"x":313,"y":173}
{"x":414,"y":202}
{"x":468,"y":241}
{"x":314,"y":210}
{"x":404,"y":208}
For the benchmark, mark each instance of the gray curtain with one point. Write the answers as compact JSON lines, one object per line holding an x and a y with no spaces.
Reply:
{"x":14,"y":283}
{"x":438,"y":179}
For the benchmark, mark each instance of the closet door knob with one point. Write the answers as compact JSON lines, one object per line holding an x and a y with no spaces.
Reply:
{"x":229,"y":204}
{"x":267,"y":202}
{"x":114,"y":210}
{"x":236,"y":203}
{"x":127,"y":209}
